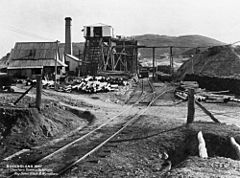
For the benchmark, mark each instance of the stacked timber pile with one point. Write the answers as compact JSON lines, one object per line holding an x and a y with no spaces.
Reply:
{"x":90,"y":84}
{"x":216,"y":69}
{"x":202,"y":94}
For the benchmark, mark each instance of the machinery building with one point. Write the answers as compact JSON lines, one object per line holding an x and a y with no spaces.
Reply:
{"x":28,"y":59}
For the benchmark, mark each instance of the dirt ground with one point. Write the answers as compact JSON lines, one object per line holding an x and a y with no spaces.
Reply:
{"x":141,"y":150}
{"x":22,"y":126}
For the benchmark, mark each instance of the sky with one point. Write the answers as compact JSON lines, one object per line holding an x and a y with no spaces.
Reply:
{"x":43,"y":20}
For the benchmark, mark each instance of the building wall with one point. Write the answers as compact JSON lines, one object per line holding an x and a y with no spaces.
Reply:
{"x":47,"y":72}
{"x":73,"y":65}
{"x":107,"y":31}
{"x":24,"y":73}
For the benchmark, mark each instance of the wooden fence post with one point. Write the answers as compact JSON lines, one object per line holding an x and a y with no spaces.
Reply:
{"x":38,"y":91}
{"x":191,"y":106}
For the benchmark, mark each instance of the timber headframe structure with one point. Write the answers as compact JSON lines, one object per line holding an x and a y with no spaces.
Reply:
{"x":103,"y":52}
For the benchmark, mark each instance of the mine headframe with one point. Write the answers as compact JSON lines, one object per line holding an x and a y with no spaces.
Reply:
{"x":103,"y":52}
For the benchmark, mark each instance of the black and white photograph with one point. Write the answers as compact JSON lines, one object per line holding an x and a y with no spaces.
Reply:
{"x":120,"y":89}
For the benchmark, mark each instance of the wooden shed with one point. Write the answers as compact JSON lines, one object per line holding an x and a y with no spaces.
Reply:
{"x":28,"y":59}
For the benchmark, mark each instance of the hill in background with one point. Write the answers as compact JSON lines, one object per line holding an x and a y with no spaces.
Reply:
{"x":182,"y":41}
{"x":3,"y":62}
{"x":151,"y":40}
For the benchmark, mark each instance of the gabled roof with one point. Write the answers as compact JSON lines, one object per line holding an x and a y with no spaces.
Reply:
{"x":69,"y":56}
{"x":73,"y":57}
{"x":30,"y":64}
{"x":34,"y":55}
{"x":34,"y":50}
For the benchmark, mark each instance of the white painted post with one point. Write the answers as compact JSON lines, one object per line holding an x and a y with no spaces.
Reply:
{"x":236,"y":147}
{"x":202,"y":146}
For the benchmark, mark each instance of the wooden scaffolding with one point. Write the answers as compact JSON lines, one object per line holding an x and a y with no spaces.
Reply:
{"x":109,"y":54}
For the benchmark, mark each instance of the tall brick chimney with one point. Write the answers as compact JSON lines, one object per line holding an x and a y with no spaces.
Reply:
{"x":68,"y":42}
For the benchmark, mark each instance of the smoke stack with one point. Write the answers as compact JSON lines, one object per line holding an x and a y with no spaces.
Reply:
{"x":68,"y":42}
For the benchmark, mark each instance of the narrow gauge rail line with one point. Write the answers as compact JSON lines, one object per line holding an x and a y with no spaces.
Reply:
{"x":141,"y":97}
{"x":138,"y":92}
{"x":149,"y":88}
{"x":149,"y":84}
{"x":82,"y":137}
{"x":99,"y":127}
{"x":106,"y":140}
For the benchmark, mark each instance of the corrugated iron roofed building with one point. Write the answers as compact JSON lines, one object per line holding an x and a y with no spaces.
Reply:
{"x":29,"y":58}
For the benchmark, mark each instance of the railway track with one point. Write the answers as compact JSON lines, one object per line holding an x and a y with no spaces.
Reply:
{"x":89,"y":140}
{"x":149,"y":90}
{"x":143,"y":89}
{"x":110,"y":135}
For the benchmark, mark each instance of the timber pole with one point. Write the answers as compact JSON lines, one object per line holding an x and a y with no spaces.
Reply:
{"x":23,"y":94}
{"x":171,"y":61}
{"x":38,"y":92}
{"x":191,"y":106}
{"x":55,"y":77}
{"x":153,"y":54}
{"x":136,"y":58}
{"x":207,"y":112}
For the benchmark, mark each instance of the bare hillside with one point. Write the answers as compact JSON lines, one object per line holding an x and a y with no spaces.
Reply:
{"x":182,"y":41}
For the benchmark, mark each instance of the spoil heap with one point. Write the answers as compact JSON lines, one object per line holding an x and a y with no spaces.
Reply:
{"x":217,"y":68}
{"x":22,"y":127}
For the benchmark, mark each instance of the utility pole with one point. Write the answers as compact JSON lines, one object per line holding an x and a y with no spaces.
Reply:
{"x":171,"y":61}
{"x":135,"y":50}
{"x":79,"y":68}
{"x":57,"y":56}
{"x":38,"y":92}
{"x":153,"y":54}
